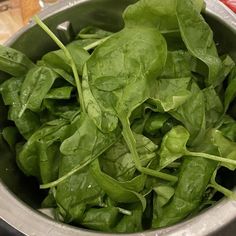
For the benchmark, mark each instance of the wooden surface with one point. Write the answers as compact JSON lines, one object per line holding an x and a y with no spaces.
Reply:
{"x":17,"y":15}
{"x":10,"y":22}
{"x":28,"y":9}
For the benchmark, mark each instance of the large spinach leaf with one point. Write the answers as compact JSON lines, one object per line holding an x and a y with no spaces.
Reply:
{"x":118,"y":191}
{"x":40,"y":155}
{"x":195,"y":174}
{"x":113,"y":88}
{"x":198,"y":38}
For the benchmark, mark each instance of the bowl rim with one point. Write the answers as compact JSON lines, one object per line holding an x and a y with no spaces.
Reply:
{"x":31,"y":222}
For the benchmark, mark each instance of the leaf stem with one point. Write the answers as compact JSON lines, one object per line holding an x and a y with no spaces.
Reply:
{"x":89,"y":36}
{"x":228,"y":193}
{"x":23,"y":108}
{"x":129,"y":138}
{"x":68,"y":55}
{"x":124,"y":211}
{"x":64,"y":177}
{"x":159,"y":174}
{"x":210,"y":157}
{"x":96,"y":43}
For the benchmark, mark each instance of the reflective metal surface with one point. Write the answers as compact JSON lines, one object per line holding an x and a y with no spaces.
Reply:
{"x":19,"y":196}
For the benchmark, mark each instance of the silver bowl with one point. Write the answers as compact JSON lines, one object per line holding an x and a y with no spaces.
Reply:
{"x":19,"y":196}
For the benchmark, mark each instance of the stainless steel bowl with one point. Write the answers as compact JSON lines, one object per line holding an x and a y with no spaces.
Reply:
{"x":19,"y":196}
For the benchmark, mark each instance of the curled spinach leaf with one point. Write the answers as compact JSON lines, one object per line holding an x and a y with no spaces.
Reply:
{"x":198,"y":39}
{"x":117,"y":191}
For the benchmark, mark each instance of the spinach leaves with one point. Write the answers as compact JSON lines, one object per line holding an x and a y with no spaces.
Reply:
{"x":127,"y":130}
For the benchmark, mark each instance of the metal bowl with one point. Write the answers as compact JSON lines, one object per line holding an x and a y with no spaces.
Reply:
{"x":19,"y":196}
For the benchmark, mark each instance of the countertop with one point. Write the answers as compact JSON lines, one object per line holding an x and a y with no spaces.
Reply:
{"x":14,"y":14}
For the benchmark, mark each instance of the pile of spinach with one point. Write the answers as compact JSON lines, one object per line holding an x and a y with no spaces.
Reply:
{"x":127,"y":130}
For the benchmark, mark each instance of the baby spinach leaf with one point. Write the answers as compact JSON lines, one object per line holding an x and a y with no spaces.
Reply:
{"x":14,"y":62}
{"x":155,"y":13}
{"x":103,"y":219}
{"x":29,"y":121}
{"x":105,"y":107}
{"x":227,"y":148}
{"x":57,"y":59}
{"x":65,"y":75}
{"x":86,"y":43}
{"x":98,"y":143}
{"x":228,"y":128}
{"x":155,"y":122}
{"x":170,"y":151}
{"x":59,"y":93}
{"x":79,"y":55}
{"x":92,"y":32}
{"x":213,"y":106}
{"x":130,"y":140}
{"x":61,"y":73}
{"x":195,"y":174}
{"x":36,"y":85}
{"x":117,"y":160}
{"x":131,"y":223}
{"x":136,"y":72}
{"x":169,"y":94}
{"x":10,"y":90}
{"x":49,"y":201}
{"x":48,"y":158}
{"x":164,"y":194}
{"x":88,"y":141}
{"x":115,"y":190}
{"x":198,"y":38}
{"x":192,"y":114}
{"x":27,"y":124}
{"x":78,"y":191}
{"x":11,"y":135}
{"x":227,"y":68}
{"x":173,"y":146}
{"x":230,"y":92}
{"x":178,"y":65}
{"x":41,"y":150}
{"x":58,"y":108}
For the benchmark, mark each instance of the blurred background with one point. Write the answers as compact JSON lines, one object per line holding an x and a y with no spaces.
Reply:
{"x":16,"y":13}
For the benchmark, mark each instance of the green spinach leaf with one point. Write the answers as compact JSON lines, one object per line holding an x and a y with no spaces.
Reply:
{"x":14,"y":62}
{"x":35,"y":87}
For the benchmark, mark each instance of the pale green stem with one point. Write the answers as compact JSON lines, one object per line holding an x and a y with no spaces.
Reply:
{"x":129,"y":138}
{"x":210,"y":157}
{"x":96,"y":43}
{"x":68,"y":55}
{"x":228,"y":193}
{"x":64,"y":177}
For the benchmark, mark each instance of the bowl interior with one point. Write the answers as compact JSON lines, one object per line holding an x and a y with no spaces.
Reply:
{"x":34,"y":43}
